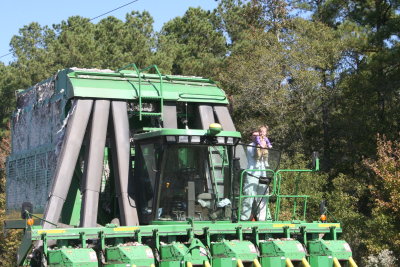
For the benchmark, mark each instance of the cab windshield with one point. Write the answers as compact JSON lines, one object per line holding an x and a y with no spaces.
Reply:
{"x":194,"y":183}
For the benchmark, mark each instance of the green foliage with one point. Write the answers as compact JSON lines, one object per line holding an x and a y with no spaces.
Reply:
{"x":10,"y":240}
{"x":281,"y":82}
{"x":343,"y":201}
{"x":7,"y":87}
{"x":311,"y":184}
{"x":239,"y":16}
{"x":193,"y":44}
{"x":386,"y":193}
{"x":123,"y":43}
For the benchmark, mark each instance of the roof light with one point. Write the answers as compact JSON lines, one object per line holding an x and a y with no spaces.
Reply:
{"x":229,"y":140}
{"x":221,"y":140}
{"x":183,"y":139}
{"x":171,"y":139}
{"x":195,"y":139}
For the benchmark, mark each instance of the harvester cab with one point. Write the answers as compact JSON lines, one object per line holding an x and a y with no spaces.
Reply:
{"x":131,"y":168}
{"x":185,"y":174}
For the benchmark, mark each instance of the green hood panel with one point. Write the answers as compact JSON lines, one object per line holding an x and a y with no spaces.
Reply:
{"x":113,"y":85}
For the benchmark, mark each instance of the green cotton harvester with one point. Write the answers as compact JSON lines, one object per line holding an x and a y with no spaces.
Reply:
{"x":135,"y":168}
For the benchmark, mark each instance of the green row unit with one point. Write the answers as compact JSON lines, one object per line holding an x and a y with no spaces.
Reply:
{"x":225,"y":253}
{"x":202,"y":244}
{"x":273,"y":253}
{"x":121,"y":256}
{"x":72,"y":257}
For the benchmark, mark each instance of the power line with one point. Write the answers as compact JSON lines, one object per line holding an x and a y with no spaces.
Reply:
{"x":6,"y":55}
{"x":99,"y":16}
{"x":108,"y":12}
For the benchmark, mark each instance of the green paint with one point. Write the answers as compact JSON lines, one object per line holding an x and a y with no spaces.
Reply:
{"x":228,"y":252}
{"x":181,"y":228}
{"x":72,"y":257}
{"x":322,"y":251}
{"x":156,"y":132}
{"x":274,"y":253}
{"x":24,"y":248}
{"x":175,"y":253}
{"x":135,"y":85}
{"x":121,"y":256}
{"x":72,"y":207}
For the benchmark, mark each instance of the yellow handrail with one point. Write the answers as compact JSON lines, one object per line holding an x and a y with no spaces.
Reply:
{"x":207,"y":264}
{"x":189,"y":264}
{"x":239,"y":263}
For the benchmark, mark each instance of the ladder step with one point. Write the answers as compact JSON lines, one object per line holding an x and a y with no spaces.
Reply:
{"x":150,"y":114}
{"x":219,"y":166}
{"x":151,"y":97}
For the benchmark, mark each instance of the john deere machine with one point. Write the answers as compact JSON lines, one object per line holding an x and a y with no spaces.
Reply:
{"x":135,"y":168}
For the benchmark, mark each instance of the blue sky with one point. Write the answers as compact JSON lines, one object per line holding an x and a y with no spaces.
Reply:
{"x":14,"y":15}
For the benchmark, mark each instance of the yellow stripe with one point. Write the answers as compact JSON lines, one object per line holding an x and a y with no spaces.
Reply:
{"x":352,"y":262}
{"x":305,"y":262}
{"x":289,"y":263}
{"x":189,"y":264}
{"x":122,"y":229}
{"x":282,"y":225}
{"x":51,"y":231}
{"x":207,"y":264}
{"x":329,"y":225}
{"x":239,"y":263}
{"x":256,"y":263}
{"x":336,"y":263}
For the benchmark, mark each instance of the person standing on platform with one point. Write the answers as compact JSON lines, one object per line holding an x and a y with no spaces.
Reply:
{"x":252,"y":186}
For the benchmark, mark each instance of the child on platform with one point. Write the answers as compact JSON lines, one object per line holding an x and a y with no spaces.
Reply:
{"x":263,"y":144}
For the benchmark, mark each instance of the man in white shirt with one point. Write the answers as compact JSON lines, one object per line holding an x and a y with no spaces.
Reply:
{"x":252,"y":187}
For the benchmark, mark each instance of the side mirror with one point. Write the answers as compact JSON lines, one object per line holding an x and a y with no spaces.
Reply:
{"x":315,"y":161}
{"x":26,"y":207}
{"x":322,"y":207}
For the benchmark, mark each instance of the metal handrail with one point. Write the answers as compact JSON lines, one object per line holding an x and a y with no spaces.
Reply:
{"x":276,"y":187}
{"x":279,"y":196}
{"x":159,"y":91}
